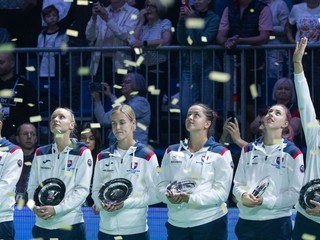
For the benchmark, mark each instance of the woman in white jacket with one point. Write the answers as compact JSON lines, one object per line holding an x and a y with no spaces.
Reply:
{"x":195,"y":180}
{"x":70,"y":162}
{"x":268,"y":180}
{"x":127,"y":161}
{"x":307,"y":220}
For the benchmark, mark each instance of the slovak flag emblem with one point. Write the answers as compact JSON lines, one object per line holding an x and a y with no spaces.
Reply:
{"x":69,"y":163}
{"x":134,"y":165}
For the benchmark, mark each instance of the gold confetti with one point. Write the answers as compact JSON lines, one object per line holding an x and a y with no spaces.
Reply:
{"x":142,"y":126}
{"x":115,"y":86}
{"x":30,"y":104}
{"x":4,"y":149}
{"x":82,"y":2}
{"x":128,"y":63}
{"x":28,"y":163}
{"x":72,"y":33}
{"x":307,"y":236}
{"x":138,"y":51}
{"x":253,"y":91}
{"x":131,"y":32}
{"x":219,"y":76}
{"x":312,"y":124}
{"x":134,"y":16}
{"x":122,"y":71}
{"x":272,"y":37}
{"x":158,"y":169}
{"x":139,"y":60}
{"x":14,"y":39}
{"x":155,"y":92}
{"x":119,"y":100}
{"x":34,"y":119}
{"x":18,"y":100}
{"x":204,"y":39}
{"x":7,"y":47}
{"x":6,"y":93}
{"x":174,"y":101}
{"x":189,"y":40}
{"x":174,"y":110}
{"x":173,"y":29}
{"x":30,"y":68}
{"x":151,"y":88}
{"x":66,"y":227}
{"x":224,"y":207}
{"x":20,"y":204}
{"x":83,"y":71}
{"x":117,"y":238}
{"x":95,"y":125}
{"x":195,"y":23}
{"x":30,"y":204}
{"x":134,"y":93}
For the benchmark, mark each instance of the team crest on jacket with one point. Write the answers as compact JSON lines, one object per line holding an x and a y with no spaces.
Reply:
{"x":89,"y":162}
{"x":19,"y":162}
{"x":302,"y":168}
{"x":69,"y":164}
{"x":134,"y":166}
{"x":277,"y":164}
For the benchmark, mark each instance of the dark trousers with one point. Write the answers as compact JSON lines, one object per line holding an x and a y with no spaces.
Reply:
{"x":215,"y":230}
{"x":304,"y":225}
{"x":138,"y":236}
{"x":77,"y":232}
{"x":7,"y":231}
{"x":275,"y":229}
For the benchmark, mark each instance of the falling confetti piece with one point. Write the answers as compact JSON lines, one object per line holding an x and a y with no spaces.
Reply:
{"x":119,"y":100}
{"x":307,"y":236}
{"x":95,"y":125}
{"x":138,"y":51}
{"x":7,"y":47}
{"x":173,"y":29}
{"x":115,"y":86}
{"x":174,"y":110}
{"x":189,"y":40}
{"x":66,"y":227}
{"x":72,"y":33}
{"x":252,"y":10}
{"x":195,"y":23}
{"x":117,"y":238}
{"x":219,"y":76}
{"x":134,"y":93}
{"x":142,"y":126}
{"x":4,"y":149}
{"x":34,"y":119}
{"x":253,"y":91}
{"x":18,"y":100}
{"x":128,"y":63}
{"x":82,"y":2}
{"x":83,"y":71}
{"x":31,"y":104}
{"x":174,"y":101}
{"x":6,"y":93}
{"x":30,"y":68}
{"x":139,"y":60}
{"x":134,"y":16}
{"x":272,"y":37}
{"x":28,"y":163}
{"x":58,"y":135}
{"x":204,"y":39}
{"x":122,"y":71}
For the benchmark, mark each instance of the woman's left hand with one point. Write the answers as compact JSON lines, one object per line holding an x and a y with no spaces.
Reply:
{"x":178,"y":198}
{"x":314,"y":211}
{"x":112,"y":207}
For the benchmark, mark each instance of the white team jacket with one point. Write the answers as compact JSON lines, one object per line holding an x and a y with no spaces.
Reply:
{"x":285,"y":169}
{"x":211,"y":167}
{"x":311,"y":130}
{"x":11,"y":160}
{"x":74,"y":167}
{"x":139,"y":165}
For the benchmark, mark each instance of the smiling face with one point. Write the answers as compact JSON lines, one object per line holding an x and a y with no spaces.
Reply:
{"x":276,"y":118}
{"x":62,"y":121}
{"x":196,"y":119}
{"x":122,"y":126}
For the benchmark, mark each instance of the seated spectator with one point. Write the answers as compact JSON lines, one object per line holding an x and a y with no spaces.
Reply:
{"x":110,"y":26}
{"x":283,"y":93}
{"x":26,"y":138}
{"x":92,"y":138}
{"x":134,"y":92}
{"x":195,"y":85}
{"x":22,"y":104}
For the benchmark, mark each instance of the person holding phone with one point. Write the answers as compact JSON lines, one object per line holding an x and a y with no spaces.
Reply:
{"x":268,"y":180}
{"x":307,"y":220}
{"x":133,"y":88}
{"x":133,"y":162}
{"x":195,"y":180}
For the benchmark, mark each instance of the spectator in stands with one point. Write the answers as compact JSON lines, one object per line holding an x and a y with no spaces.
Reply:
{"x":26,"y":138}
{"x":277,"y":58}
{"x":268,"y":180}
{"x":21,"y":103}
{"x":283,"y":93}
{"x":4,"y":36}
{"x":130,"y":160}
{"x":10,"y":170}
{"x":196,"y":65}
{"x":246,"y":22}
{"x":71,"y":162}
{"x":63,"y":8}
{"x":92,"y":138}
{"x":307,"y":220}
{"x":199,"y":212}
{"x":304,"y":22}
{"x":134,"y":91}
{"x":110,"y":26}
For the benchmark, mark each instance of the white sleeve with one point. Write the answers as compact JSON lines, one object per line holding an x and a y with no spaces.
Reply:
{"x":97,"y":183}
{"x":33,"y":182}
{"x":81,"y":187}
{"x":92,"y":30}
{"x":165,"y":178}
{"x":239,"y":178}
{"x":11,"y":173}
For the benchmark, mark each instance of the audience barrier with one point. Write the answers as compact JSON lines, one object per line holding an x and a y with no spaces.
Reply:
{"x":70,"y":85}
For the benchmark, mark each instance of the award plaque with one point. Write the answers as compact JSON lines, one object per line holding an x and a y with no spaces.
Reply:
{"x":261,"y":187}
{"x":182,"y":186}
{"x":310,"y":191}
{"x":50,"y":192}
{"x":115,"y":191}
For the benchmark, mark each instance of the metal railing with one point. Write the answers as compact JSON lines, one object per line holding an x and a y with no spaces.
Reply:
{"x":70,"y":89}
